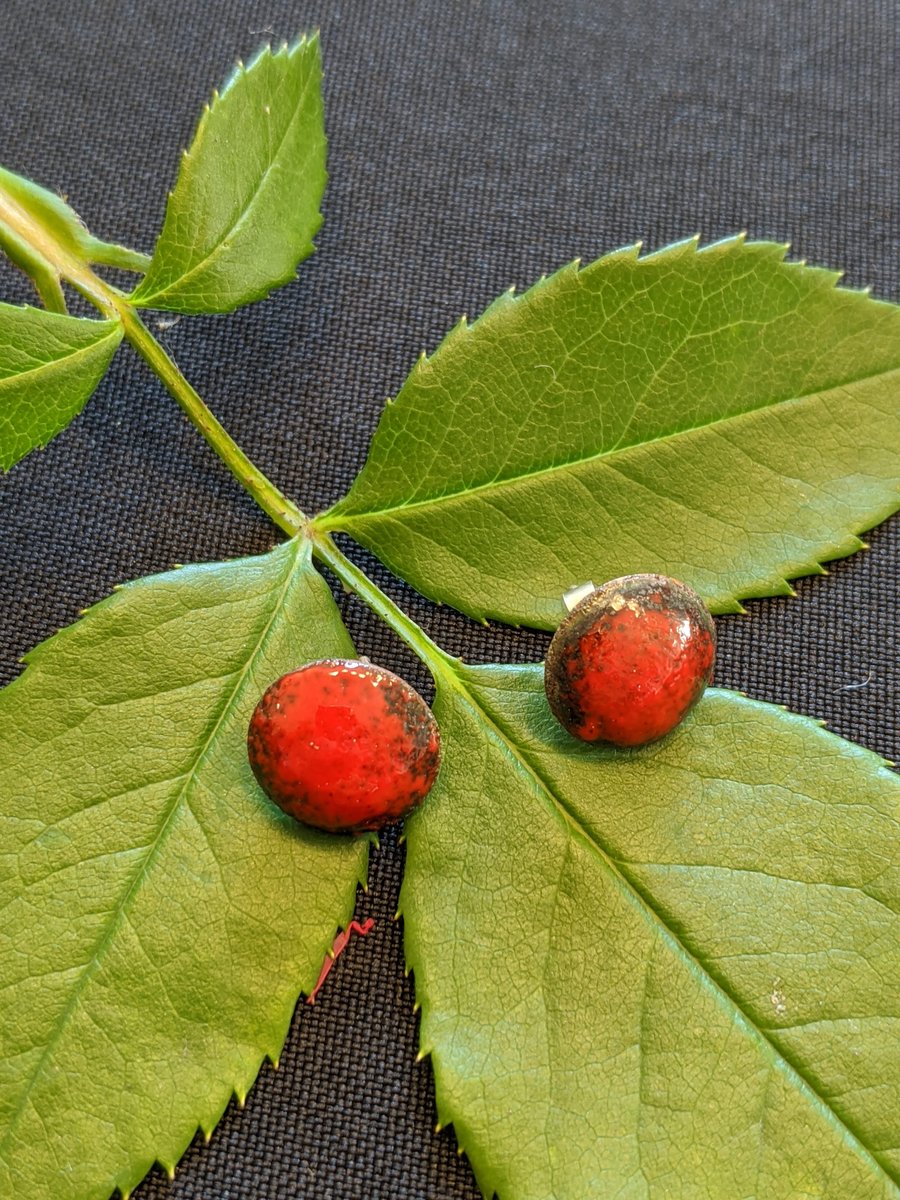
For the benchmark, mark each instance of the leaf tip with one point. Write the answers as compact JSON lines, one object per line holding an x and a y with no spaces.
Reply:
{"x":422,"y":1055}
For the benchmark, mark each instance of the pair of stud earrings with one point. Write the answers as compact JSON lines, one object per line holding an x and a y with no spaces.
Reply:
{"x":347,"y":746}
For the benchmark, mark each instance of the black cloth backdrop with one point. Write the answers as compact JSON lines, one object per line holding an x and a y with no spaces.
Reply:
{"x":472,"y":146}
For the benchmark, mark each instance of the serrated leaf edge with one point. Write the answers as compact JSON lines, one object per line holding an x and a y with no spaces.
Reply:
{"x":124,"y":1180}
{"x":114,"y":333}
{"x":481,"y":1167}
{"x":339,"y":519}
{"x":141,"y":297}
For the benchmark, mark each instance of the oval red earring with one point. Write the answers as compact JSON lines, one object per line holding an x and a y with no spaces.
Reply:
{"x":344,"y":745}
{"x":630,"y":660}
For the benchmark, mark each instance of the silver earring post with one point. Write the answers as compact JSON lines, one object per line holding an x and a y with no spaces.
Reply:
{"x":576,"y":594}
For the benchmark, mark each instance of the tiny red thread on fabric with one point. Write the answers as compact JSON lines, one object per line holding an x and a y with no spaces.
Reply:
{"x":337,"y":948}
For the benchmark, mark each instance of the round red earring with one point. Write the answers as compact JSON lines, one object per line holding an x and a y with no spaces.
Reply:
{"x":630,"y":660}
{"x":344,"y":745}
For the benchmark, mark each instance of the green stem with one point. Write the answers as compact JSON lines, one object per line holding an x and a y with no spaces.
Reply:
{"x":54,"y":256}
{"x":434,"y":658}
{"x":110,"y":254}
{"x":283,"y":512}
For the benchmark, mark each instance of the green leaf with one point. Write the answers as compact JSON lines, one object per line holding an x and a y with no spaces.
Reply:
{"x":50,"y":365}
{"x":667,"y":972}
{"x":246,"y":204}
{"x":160,"y":916}
{"x":716,"y":415}
{"x":48,"y":211}
{"x":55,"y":232}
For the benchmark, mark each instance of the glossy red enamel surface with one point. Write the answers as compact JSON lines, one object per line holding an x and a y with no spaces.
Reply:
{"x":344,"y":745}
{"x":630,"y":660}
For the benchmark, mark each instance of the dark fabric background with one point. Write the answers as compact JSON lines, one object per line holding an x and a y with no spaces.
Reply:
{"x":472,"y":145}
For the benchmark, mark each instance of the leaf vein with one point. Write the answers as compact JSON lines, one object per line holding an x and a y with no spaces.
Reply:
{"x":121,"y":912}
{"x":644,"y":904}
{"x":339,"y":518}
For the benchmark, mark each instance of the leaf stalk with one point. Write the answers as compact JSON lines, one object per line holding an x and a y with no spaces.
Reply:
{"x":286,"y":515}
{"x":46,"y":255}
{"x":58,"y":260}
{"x":61,"y":262}
{"x":435,"y":659}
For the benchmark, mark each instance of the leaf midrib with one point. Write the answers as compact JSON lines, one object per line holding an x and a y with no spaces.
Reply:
{"x":51,"y":365}
{"x":235,"y":227}
{"x":645,"y":903}
{"x":339,"y":518}
{"x":90,"y":968}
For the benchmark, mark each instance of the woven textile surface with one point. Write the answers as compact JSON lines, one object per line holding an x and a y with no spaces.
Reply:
{"x":472,"y":146}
